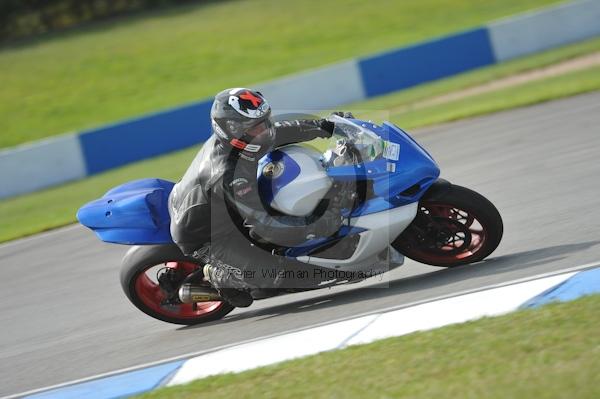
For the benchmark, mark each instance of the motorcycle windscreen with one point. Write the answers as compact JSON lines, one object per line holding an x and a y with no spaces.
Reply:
{"x":399,"y":169}
{"x":135,"y":213}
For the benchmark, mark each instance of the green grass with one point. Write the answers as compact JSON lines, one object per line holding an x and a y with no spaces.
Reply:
{"x":405,"y":98}
{"x":551,"y":352}
{"x":32,"y":213}
{"x":114,"y":70}
{"x":526,"y":94}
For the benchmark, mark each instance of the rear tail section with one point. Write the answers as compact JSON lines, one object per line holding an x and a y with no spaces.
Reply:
{"x":133,"y":213}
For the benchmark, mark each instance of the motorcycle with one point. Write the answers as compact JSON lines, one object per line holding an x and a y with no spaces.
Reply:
{"x":393,"y":202}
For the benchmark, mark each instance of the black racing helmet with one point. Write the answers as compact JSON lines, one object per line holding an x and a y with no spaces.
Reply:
{"x":241,"y":118}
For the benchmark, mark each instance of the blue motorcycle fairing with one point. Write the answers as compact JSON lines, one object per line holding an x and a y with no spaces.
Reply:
{"x":312,"y":245}
{"x":270,"y":186}
{"x":132,"y":213}
{"x":137,"y":212}
{"x":395,"y":182}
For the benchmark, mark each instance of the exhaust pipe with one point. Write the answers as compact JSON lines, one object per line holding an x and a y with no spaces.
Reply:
{"x":190,"y":293}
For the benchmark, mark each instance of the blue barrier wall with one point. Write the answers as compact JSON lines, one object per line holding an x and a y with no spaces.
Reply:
{"x":424,"y":62}
{"x":57,"y":160}
{"x":119,"y":144}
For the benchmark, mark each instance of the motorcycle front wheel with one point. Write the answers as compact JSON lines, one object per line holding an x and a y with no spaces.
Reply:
{"x":151,"y":276}
{"x":456,"y":227}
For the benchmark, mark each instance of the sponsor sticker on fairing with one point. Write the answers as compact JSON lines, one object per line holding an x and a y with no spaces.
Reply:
{"x":391,"y":151}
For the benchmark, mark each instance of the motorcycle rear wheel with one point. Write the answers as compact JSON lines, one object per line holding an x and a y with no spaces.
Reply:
{"x":140,"y":272}
{"x":456,"y":227}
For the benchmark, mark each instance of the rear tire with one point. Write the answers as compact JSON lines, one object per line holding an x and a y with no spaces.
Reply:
{"x":455,"y":227}
{"x":144,"y":292}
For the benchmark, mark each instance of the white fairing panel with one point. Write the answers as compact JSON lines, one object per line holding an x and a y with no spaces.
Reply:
{"x":301,"y":196}
{"x":382,"y":229}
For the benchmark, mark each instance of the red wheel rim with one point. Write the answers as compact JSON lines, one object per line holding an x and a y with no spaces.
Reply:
{"x":461,"y":234}
{"x":149,"y":292}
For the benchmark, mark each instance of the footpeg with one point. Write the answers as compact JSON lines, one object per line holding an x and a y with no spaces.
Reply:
{"x":190,"y":293}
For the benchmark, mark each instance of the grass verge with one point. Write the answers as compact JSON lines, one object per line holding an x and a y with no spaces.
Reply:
{"x":133,"y":65}
{"x":32,"y":213}
{"x":550,"y":352}
{"x":398,"y":104}
{"x":530,"y":93}
{"x":485,"y":75}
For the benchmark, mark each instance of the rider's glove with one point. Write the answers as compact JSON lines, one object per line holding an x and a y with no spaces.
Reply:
{"x":345,"y":114}
{"x":329,"y":126}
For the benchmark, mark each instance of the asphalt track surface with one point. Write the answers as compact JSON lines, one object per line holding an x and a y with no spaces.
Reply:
{"x":63,"y":315}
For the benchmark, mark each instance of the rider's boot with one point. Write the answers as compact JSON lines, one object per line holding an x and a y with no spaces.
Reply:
{"x":235,"y":297}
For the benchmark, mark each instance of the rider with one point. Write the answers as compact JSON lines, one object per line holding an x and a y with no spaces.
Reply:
{"x":217,"y":199}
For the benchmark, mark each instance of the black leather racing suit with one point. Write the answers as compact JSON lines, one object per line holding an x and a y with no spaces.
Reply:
{"x":218,"y":194}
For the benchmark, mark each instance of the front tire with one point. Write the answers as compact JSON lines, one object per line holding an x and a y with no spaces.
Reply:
{"x":455,"y":227}
{"x":139,"y":279}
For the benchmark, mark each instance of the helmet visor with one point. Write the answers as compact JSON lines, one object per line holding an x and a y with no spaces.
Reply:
{"x":249,"y":128}
{"x":261,"y":129}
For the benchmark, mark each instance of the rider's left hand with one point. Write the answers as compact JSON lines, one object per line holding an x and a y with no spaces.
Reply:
{"x":329,"y":126}
{"x":344,"y":114}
